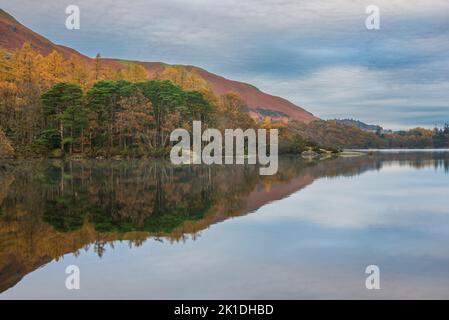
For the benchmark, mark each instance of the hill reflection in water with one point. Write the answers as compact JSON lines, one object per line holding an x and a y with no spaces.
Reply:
{"x":51,"y":208}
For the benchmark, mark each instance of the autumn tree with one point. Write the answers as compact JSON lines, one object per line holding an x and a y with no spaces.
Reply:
{"x":165,"y":98}
{"x":25,"y":116}
{"x":9,"y":92}
{"x":233,"y":112}
{"x":133,"y":72}
{"x":187,"y":78}
{"x":52,"y":70}
{"x":77,"y":72}
{"x":135,"y":121}
{"x":5,"y":145}
{"x":97,"y":67}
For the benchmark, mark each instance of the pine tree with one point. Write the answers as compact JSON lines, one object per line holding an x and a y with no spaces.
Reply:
{"x":63,"y":107}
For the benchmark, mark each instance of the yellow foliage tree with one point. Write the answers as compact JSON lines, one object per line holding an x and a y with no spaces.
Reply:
{"x":24,"y":64}
{"x":77,"y":72}
{"x":24,"y":90}
{"x":133,"y":72}
{"x":52,"y":70}
{"x":9,"y":98}
{"x":5,"y":66}
{"x":187,"y":79}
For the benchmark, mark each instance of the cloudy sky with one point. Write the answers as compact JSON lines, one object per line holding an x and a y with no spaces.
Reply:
{"x":316,"y":53}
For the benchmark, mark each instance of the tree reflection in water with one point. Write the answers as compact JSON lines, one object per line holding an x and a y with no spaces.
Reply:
{"x":51,"y":208}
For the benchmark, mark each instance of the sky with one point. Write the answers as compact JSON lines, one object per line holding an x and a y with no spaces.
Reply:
{"x":316,"y":53}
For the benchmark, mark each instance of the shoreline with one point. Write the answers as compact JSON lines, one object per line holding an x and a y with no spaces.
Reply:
{"x":343,"y":153}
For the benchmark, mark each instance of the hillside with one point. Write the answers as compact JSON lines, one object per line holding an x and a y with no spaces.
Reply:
{"x":13,"y":35}
{"x":359,"y":124}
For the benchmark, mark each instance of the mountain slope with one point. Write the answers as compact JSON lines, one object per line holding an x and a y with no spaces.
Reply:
{"x":13,"y":35}
{"x":360,"y":124}
{"x":255,"y":98}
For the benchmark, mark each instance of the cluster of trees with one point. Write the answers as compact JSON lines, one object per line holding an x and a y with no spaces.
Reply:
{"x":118,"y":117}
{"x":416,"y":138}
{"x":51,"y":105}
{"x":54,"y":105}
{"x":26,"y":74}
{"x":441,"y":137}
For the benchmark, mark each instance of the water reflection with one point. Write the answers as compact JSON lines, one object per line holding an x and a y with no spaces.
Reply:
{"x":51,"y":208}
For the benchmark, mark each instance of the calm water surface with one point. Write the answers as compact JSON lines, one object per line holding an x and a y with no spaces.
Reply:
{"x":143,"y":229}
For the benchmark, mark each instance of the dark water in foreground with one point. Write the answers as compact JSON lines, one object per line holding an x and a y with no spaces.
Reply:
{"x":142,"y":229}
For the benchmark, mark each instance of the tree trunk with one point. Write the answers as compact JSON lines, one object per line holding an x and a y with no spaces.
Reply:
{"x":61,"y":132}
{"x":82,"y":140}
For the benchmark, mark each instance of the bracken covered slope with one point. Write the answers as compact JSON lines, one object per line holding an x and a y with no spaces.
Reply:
{"x":13,"y":35}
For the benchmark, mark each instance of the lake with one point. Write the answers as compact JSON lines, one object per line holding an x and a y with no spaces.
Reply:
{"x":148,"y":230}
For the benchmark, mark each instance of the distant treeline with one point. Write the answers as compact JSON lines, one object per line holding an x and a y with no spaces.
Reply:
{"x":332,"y":133}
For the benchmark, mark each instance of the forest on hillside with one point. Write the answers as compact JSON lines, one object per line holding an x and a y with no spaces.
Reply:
{"x":56,"y":106}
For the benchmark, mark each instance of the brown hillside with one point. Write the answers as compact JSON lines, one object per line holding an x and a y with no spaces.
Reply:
{"x":254,"y":97}
{"x":13,"y":35}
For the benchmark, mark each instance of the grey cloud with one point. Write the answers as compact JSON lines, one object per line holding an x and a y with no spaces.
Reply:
{"x":317,"y":54}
